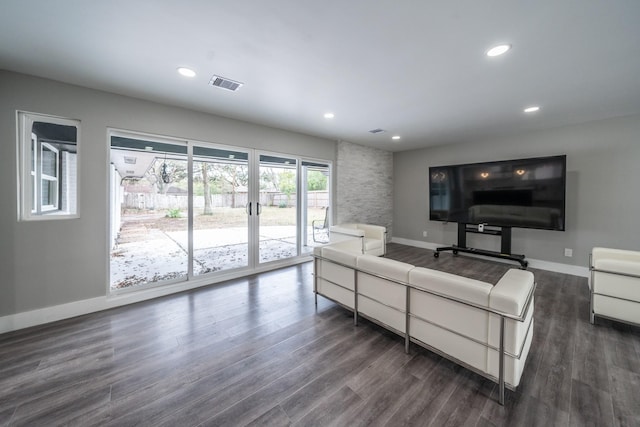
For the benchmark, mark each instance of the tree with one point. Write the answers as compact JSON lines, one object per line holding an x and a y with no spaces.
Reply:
{"x":287,"y":183}
{"x":231,"y":177}
{"x":316,"y":181}
{"x":175,"y":171}
{"x":207,"y":194}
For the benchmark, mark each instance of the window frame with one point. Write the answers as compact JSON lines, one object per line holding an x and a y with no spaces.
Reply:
{"x":45,"y":180}
{"x":31,"y":178}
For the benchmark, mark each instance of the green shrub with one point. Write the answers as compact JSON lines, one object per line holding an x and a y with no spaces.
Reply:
{"x":173,"y":213}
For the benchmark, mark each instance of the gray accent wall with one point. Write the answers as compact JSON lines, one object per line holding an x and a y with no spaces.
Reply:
{"x":49,"y":263}
{"x":365,"y":185}
{"x":603,"y":189}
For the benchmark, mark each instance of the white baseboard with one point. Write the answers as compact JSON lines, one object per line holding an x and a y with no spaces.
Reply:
{"x":574,"y":270}
{"x":41,"y":316}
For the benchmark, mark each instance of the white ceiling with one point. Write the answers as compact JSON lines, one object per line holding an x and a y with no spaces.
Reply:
{"x":415,"y":68}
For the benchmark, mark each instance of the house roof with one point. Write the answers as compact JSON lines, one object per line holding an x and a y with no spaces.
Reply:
{"x":414,"y":69}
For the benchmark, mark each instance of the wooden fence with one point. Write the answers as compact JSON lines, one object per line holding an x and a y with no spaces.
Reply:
{"x":315,"y":199}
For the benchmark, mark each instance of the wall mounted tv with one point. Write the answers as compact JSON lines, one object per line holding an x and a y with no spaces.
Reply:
{"x":525,"y":193}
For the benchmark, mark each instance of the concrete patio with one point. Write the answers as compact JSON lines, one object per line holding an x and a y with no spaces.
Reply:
{"x":149,"y":255}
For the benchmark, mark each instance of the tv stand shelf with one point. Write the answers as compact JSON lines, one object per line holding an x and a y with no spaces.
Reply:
{"x":505,"y":240}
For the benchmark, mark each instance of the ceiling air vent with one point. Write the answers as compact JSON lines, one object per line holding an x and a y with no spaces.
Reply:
{"x":378,"y":130}
{"x":225,"y":83}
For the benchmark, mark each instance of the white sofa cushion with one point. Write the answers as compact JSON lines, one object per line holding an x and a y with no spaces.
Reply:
{"x":617,"y":285}
{"x":337,"y":281}
{"x":456,"y":286}
{"x":379,"y":289}
{"x":336,"y":293}
{"x":447,"y":324}
{"x":338,"y":254}
{"x":628,"y":311}
{"x":385,"y":267}
{"x":372,"y":244}
{"x":513,"y":367}
{"x":382,"y":299}
{"x":463,"y":349}
{"x":379,"y":312}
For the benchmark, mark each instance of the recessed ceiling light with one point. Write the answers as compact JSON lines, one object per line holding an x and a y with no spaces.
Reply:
{"x":396,"y":137}
{"x":532,"y":109}
{"x":329,"y":115}
{"x":187,"y":72}
{"x":498,"y":50}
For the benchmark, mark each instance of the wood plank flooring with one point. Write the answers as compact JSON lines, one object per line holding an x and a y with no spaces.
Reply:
{"x":256,"y":351}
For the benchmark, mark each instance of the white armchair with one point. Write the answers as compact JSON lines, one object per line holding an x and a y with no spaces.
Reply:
{"x":615,"y":285}
{"x":364,"y":238}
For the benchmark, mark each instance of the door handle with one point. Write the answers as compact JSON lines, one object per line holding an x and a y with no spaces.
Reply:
{"x":259,"y":210}
{"x":247,"y":208}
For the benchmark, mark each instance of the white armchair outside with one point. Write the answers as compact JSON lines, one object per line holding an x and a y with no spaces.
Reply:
{"x":365,"y":238}
{"x":615,"y":285}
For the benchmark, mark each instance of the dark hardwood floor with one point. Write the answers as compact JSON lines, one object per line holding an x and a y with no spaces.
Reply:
{"x":255,"y":351}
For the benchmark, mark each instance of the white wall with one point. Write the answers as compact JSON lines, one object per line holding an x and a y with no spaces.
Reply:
{"x":603,"y":199}
{"x":50,"y":263}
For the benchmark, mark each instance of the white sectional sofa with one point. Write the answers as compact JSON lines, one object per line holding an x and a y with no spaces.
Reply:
{"x":615,"y":285}
{"x":468,"y":321}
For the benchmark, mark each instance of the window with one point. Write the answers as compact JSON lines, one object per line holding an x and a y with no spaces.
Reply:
{"x":48,"y":165}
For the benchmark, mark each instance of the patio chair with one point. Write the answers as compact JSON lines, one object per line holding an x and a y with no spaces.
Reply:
{"x":321,"y":226}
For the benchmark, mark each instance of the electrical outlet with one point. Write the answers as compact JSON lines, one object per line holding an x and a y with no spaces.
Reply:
{"x":424,"y":233}
{"x":568,"y":252}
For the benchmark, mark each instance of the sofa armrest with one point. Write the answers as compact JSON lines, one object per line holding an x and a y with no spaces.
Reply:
{"x":619,"y":266}
{"x":598,"y":255}
{"x":512,"y":292}
{"x":347,"y":231}
{"x":373,"y":231}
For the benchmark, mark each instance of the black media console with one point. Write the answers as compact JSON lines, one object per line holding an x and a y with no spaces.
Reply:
{"x":505,"y":247}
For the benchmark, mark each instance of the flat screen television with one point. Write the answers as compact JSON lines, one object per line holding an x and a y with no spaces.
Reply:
{"x":524,"y":193}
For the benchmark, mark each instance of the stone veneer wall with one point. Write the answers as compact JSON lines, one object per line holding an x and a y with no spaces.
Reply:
{"x":364,"y":186}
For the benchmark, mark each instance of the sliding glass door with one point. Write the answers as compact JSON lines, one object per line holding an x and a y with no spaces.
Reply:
{"x":181,"y":209}
{"x":220,"y":218}
{"x":277,"y":208}
{"x":149,"y":212}
{"x":315,"y":202}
